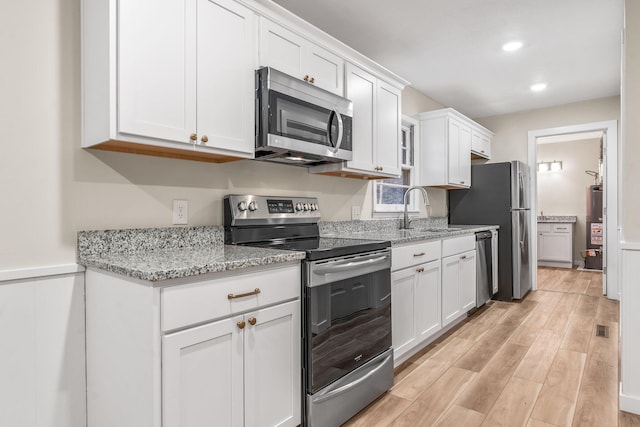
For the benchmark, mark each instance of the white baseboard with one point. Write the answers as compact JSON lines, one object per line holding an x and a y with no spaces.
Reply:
{"x":629,"y":403}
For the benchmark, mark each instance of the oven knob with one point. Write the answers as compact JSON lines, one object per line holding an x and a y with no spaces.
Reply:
{"x":253,"y":206}
{"x":305,"y":206}
{"x":298,"y":206}
{"x":242,"y":206}
{"x":315,"y":206}
{"x":311,"y":208}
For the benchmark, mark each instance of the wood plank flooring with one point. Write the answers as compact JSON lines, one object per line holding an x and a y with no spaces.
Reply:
{"x":533,"y":363}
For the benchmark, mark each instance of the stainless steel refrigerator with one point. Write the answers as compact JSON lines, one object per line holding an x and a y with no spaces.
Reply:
{"x":499,"y":194}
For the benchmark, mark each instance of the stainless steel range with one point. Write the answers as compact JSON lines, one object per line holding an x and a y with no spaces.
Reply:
{"x":346,"y":332}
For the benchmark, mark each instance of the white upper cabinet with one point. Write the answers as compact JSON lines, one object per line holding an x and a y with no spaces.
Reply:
{"x":158,"y":86}
{"x":446,"y":141}
{"x":292,"y":54}
{"x":481,"y":144}
{"x":376,"y":128}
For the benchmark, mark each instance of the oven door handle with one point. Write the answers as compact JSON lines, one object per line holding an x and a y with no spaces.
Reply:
{"x":329,"y":394}
{"x":336,"y":268}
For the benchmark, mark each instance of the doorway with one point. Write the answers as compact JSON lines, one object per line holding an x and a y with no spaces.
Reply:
{"x":608,"y":132}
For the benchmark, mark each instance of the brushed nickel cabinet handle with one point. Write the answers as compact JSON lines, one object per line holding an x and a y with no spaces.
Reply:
{"x":256,"y":291}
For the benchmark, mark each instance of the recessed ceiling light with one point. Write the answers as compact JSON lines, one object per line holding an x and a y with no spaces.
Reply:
{"x":511,"y":46}
{"x":538,"y":87}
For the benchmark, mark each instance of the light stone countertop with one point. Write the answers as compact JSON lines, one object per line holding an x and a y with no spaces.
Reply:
{"x":558,"y":218}
{"x":397,"y":236}
{"x":156,"y":254}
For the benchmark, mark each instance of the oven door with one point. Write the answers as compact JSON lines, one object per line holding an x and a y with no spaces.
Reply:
{"x":348,"y":315}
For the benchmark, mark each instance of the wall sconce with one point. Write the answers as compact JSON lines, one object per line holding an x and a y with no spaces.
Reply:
{"x":554,"y":166}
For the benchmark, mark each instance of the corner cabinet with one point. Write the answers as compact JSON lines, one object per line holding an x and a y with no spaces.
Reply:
{"x":186,"y":354}
{"x":376,"y":128}
{"x":292,"y":54}
{"x":178,"y":85}
{"x":446,"y":141}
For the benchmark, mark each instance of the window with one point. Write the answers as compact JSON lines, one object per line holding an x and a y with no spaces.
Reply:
{"x":388,"y":194}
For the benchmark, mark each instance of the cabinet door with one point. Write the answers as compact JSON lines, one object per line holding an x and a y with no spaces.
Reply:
{"x":326,"y":69}
{"x":361,"y":90}
{"x":554,"y":247}
{"x":450,"y":289}
{"x":157,"y":69}
{"x":388,"y":125}
{"x":272,"y":366}
{"x":427,"y":300}
{"x":480,"y":144}
{"x":403,"y":297}
{"x":202,"y":376}
{"x":459,"y":153}
{"x":281,"y":49}
{"x":225,"y":74}
{"x":468,"y":280}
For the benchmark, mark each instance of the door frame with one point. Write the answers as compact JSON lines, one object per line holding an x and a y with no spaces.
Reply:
{"x":612,"y":230}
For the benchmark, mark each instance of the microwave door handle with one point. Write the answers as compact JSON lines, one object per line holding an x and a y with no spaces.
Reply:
{"x":335,"y":149}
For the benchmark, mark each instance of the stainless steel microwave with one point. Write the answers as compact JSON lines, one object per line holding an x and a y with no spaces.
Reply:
{"x":298,"y":123}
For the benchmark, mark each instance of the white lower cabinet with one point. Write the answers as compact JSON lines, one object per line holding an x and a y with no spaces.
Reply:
{"x":458,"y":285}
{"x":415,"y":293}
{"x":244,"y":370}
{"x":430,"y":292}
{"x":555,"y":244}
{"x":224,"y":350}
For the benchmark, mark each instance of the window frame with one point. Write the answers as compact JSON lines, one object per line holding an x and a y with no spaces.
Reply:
{"x":408,"y":124}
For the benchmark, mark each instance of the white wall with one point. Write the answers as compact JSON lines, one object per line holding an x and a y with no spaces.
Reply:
{"x":565,"y":192}
{"x":42,"y":356}
{"x":510,"y":142}
{"x":630,"y":207}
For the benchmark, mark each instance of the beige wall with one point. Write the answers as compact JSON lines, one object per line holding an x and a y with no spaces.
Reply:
{"x":564,"y":192}
{"x":510,"y":141}
{"x":51,"y":188}
{"x":631,"y":148}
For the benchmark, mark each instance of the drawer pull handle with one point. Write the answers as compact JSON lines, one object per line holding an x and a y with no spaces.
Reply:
{"x":256,"y":291}
{"x":419,"y":254}
{"x":252,"y":321}
{"x":420,"y":270}
{"x":463,"y":257}
{"x":241,"y":324}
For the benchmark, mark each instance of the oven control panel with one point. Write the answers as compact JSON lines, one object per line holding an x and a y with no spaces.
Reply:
{"x":257,"y":210}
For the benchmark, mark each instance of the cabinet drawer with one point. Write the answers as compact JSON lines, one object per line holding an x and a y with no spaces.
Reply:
{"x":188,"y":304}
{"x":406,"y":256}
{"x":561,"y":228}
{"x":544,"y":227}
{"x":456,"y":245}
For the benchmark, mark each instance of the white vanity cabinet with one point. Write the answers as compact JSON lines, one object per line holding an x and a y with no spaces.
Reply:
{"x":415,"y":296}
{"x":555,"y":244}
{"x":292,"y":54}
{"x":458,"y":277}
{"x":158,"y":86}
{"x":447,"y":141}
{"x":199,"y":351}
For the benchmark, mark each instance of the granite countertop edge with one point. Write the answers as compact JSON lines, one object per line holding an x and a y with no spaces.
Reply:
{"x":398,"y":237}
{"x":157,"y":266}
{"x":557,"y":219}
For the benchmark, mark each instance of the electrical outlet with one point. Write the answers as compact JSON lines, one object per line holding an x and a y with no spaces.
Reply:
{"x":355,"y":212}
{"x":180,"y":212}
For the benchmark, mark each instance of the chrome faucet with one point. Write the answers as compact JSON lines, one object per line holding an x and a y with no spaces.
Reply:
{"x":425,"y":197}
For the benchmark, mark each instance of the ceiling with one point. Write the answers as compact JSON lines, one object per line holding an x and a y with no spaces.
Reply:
{"x":451,"y":50}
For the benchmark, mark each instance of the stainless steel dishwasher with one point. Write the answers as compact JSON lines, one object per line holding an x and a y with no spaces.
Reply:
{"x":484,"y":268}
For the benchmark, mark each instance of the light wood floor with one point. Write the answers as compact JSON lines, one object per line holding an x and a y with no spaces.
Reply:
{"x":534,"y":363}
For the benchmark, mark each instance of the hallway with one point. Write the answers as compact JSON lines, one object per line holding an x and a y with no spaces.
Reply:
{"x":533,"y":363}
